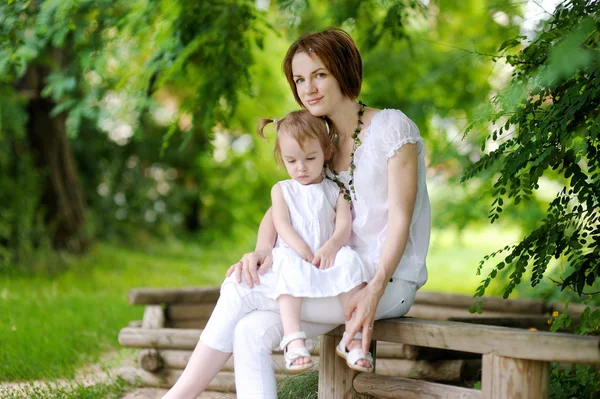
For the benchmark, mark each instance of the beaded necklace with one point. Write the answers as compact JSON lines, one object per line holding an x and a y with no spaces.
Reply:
{"x":348,"y":193}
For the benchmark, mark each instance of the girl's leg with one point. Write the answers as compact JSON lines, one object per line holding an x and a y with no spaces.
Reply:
{"x":289,"y":308}
{"x":256,"y":336}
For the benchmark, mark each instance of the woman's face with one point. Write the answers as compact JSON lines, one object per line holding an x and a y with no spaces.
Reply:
{"x":318,"y":90}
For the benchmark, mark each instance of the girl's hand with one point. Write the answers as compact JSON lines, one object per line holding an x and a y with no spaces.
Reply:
{"x":363,"y":304}
{"x":325,"y":257}
{"x":250,"y":265}
{"x":306,"y":254}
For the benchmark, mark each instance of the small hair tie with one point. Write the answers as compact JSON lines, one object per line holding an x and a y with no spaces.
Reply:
{"x":274,"y":121}
{"x":327,"y":126}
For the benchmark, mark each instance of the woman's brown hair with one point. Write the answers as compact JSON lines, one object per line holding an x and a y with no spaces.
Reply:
{"x":301,"y":125}
{"x":338,"y":52}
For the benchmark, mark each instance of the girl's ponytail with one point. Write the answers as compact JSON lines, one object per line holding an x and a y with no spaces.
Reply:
{"x":262,"y":122}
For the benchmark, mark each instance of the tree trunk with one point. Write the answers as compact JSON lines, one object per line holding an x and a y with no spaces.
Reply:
{"x":62,"y":198}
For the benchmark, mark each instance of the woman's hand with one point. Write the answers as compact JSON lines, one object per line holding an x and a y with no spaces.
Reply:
{"x":360,"y":311}
{"x":325,"y":256}
{"x":250,"y":265}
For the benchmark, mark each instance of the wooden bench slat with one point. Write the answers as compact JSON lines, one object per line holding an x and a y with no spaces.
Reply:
{"x":150,"y":296}
{"x":406,"y":388}
{"x":503,"y":341}
{"x":527,"y":306}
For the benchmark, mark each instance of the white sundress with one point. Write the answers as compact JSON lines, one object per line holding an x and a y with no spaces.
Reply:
{"x":312,"y":214}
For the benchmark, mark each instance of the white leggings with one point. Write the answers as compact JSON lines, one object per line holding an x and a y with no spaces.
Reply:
{"x":248,"y":324}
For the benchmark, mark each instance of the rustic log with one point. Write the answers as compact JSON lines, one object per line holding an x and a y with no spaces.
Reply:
{"x":540,"y":323}
{"x":197,"y":324}
{"x":451,"y":370}
{"x":189,"y":311}
{"x":223,"y":382}
{"x":154,"y":296}
{"x":406,"y":388}
{"x":159,"y":338}
{"x":443,"y":370}
{"x":135,"y":323}
{"x":441,"y":312}
{"x":527,"y":306}
{"x":504,"y":377}
{"x":507,"y":342}
{"x":186,"y":339}
{"x":154,"y":317}
{"x":151,"y":360}
{"x":575,"y":309}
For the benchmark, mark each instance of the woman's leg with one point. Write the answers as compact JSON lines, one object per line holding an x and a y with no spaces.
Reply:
{"x":289,"y":309}
{"x":216,"y":342}
{"x":256,"y":336}
{"x":203,"y":365}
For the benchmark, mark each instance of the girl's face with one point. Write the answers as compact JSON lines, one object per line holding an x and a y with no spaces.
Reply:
{"x":303,"y":165}
{"x":318,"y":90}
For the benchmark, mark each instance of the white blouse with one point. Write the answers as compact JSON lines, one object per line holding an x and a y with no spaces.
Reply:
{"x":389,"y":130}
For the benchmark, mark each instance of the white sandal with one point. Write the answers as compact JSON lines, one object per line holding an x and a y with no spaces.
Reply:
{"x":295,"y":354}
{"x":353,"y":356}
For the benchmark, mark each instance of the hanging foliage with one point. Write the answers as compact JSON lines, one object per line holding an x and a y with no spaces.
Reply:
{"x":549,"y":125}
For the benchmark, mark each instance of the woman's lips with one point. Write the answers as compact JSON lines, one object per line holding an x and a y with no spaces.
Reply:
{"x":314,"y":101}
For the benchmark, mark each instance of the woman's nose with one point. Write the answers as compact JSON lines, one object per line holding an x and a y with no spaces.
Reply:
{"x":310,"y":87}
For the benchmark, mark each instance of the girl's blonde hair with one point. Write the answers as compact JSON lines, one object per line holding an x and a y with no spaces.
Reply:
{"x":301,"y":125}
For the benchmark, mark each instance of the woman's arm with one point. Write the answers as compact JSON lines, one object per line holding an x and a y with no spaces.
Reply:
{"x":260,"y":260}
{"x":402,"y":194}
{"x":283,"y":225}
{"x":325,"y":256}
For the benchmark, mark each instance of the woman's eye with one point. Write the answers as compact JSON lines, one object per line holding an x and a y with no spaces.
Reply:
{"x":321,"y":75}
{"x":299,"y":80}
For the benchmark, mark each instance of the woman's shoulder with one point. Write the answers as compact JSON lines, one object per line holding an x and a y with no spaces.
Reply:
{"x":391,"y":129}
{"x":393,"y":119}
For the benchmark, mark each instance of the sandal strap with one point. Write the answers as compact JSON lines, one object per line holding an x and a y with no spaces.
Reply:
{"x":293,"y":354}
{"x":357,"y":354}
{"x":291,"y":337}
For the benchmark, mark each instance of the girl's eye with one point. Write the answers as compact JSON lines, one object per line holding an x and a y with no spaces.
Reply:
{"x":310,"y":158}
{"x":291,"y":161}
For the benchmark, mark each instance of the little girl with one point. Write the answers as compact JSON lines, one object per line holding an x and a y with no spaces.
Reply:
{"x":313,"y":223}
{"x":310,"y":258}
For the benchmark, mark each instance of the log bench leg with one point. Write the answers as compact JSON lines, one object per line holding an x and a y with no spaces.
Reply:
{"x":335,"y":377}
{"x":508,"y":378}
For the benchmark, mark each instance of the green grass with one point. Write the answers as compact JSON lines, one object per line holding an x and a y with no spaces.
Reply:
{"x":452,"y":259}
{"x":108,"y":390}
{"x":50,"y":327}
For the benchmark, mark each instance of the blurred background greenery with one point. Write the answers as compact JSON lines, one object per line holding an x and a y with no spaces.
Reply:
{"x":128,"y":156}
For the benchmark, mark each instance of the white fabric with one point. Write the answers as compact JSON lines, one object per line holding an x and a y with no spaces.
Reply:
{"x":257,"y":333}
{"x":247,"y":322}
{"x":389,"y":130}
{"x":312,"y":214}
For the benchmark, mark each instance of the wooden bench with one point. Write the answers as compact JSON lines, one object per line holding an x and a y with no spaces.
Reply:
{"x":423,"y":349}
{"x":515,"y":362}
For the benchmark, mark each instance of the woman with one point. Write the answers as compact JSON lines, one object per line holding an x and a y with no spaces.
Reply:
{"x":382,"y":170}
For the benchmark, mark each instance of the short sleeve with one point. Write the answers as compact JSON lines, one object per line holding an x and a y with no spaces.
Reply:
{"x":397,"y":130}
{"x":332,"y":190}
